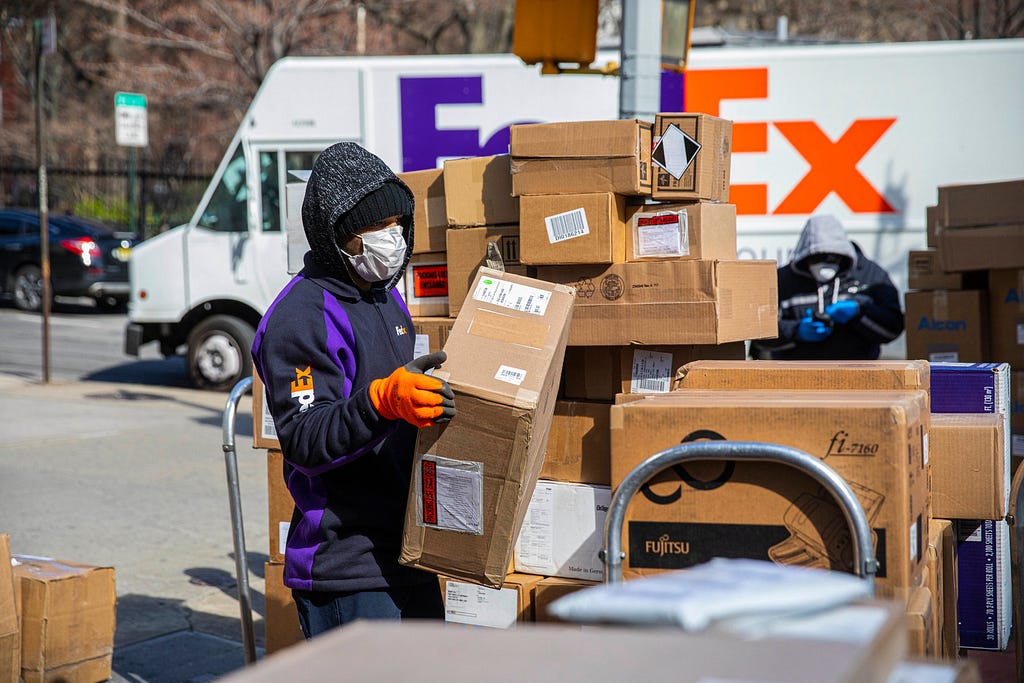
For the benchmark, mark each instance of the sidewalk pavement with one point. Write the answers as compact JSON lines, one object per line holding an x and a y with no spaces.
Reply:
{"x":133,"y":477}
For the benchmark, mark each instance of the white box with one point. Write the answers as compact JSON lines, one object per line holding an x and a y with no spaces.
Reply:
{"x":563,"y":532}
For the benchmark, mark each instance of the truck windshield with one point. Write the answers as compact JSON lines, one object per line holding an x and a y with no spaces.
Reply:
{"x":226,"y":211}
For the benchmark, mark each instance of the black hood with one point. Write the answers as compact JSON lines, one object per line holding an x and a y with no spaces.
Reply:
{"x":342,"y":175}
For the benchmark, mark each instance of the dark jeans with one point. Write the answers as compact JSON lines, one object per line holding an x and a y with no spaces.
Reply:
{"x":321,"y":611}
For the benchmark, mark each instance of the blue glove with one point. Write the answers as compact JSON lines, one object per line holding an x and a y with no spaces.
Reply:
{"x":843,"y":311}
{"x":811,"y":330}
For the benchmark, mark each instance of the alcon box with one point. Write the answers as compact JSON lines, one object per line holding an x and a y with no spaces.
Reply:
{"x":1006,"y":313}
{"x":689,"y":514}
{"x":947,"y":326}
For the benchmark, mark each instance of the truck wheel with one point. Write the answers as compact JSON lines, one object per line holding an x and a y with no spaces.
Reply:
{"x":220,"y":352}
{"x":28,"y":288}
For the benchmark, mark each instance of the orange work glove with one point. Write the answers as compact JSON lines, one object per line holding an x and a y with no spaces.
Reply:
{"x":410,"y":395}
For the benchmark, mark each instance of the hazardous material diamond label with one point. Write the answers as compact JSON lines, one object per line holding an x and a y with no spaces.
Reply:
{"x":675,"y":151}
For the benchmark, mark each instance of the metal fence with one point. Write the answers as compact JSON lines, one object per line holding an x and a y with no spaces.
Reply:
{"x":165,"y":194}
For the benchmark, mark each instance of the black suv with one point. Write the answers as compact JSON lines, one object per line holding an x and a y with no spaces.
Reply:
{"x":87,"y":259}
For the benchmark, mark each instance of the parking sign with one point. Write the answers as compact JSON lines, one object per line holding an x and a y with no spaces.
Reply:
{"x":130,"y":125}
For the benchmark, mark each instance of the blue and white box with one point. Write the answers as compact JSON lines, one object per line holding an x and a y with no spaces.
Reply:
{"x":983,"y":553}
{"x":984,"y":589}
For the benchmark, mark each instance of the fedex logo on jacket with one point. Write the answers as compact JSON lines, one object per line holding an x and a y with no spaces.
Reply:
{"x":302,"y":388}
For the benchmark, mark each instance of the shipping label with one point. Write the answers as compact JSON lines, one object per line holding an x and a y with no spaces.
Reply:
{"x":451,"y":494}
{"x":518,"y":297}
{"x":652,"y":372}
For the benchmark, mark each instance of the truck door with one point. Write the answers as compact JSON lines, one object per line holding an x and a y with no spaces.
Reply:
{"x":267,"y":264}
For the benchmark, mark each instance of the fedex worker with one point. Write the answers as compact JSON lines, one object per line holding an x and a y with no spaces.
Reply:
{"x":335,"y":351}
{"x":834,"y":302}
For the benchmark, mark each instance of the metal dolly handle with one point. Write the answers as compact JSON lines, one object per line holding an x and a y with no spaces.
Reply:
{"x":237,"y":531}
{"x":864,"y":562}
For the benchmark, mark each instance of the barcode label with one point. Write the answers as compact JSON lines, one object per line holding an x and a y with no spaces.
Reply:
{"x":652,"y":372}
{"x":510,"y":375}
{"x":944,"y":357}
{"x":510,"y":295}
{"x":566,"y":226}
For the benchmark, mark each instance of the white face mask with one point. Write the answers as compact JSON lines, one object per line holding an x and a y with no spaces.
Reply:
{"x":823,"y":272}
{"x":383,"y":254}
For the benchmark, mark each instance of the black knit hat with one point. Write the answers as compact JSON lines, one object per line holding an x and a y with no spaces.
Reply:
{"x":389,"y":200}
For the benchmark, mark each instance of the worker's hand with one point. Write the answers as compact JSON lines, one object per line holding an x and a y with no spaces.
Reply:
{"x":811,"y":330}
{"x":843,"y":311}
{"x":410,"y":395}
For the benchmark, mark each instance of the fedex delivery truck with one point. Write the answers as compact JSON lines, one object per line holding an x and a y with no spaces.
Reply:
{"x":864,"y":132}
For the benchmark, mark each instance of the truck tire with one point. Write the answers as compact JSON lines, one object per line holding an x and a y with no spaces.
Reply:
{"x":220,"y":352}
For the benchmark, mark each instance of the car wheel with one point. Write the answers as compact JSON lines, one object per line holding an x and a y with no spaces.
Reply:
{"x":28,"y":288}
{"x":220,"y":352}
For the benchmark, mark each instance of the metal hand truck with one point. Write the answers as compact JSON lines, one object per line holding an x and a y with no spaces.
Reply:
{"x":237,"y":531}
{"x":864,"y":563}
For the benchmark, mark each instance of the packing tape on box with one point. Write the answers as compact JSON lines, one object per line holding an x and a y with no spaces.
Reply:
{"x":940,"y":305}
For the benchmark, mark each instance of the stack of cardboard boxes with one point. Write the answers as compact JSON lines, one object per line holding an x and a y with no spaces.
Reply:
{"x":657,"y":285}
{"x":56,"y":619}
{"x":967,"y":303}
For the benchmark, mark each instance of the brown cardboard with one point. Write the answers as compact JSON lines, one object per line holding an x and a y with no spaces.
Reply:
{"x":599,"y":373}
{"x":975,"y":204}
{"x":467,"y":251}
{"x":574,"y":228}
{"x":430,"y":217}
{"x":707,"y":231}
{"x":431,"y":333}
{"x":504,"y":363}
{"x":707,"y":174}
{"x":552,"y":588}
{"x":879,"y":375}
{"x":264,"y":432}
{"x":392,"y":651}
{"x":1000,"y":246}
{"x":920,"y":623}
{"x":467,"y":603}
{"x":947,"y":326}
{"x":942,"y":584}
{"x":1017,"y":413}
{"x":931,"y":225}
{"x":478,"y":191}
{"x":670,"y":302}
{"x":1006,"y":315}
{"x":925,"y":272}
{"x":873,"y":439}
{"x":10,"y":638}
{"x":426,"y":284}
{"x":281,"y":619}
{"x":581,"y":156}
{"x":67,"y":620}
{"x":280,"y":506}
{"x":579,"y":449}
{"x":969,"y":466}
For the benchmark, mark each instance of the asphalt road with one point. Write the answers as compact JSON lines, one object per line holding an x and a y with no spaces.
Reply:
{"x":116,"y":462}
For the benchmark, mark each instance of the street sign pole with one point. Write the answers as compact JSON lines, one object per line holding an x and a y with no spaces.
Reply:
{"x":44,"y":223}
{"x":131,"y":131}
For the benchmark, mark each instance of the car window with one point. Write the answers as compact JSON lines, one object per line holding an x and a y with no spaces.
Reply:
{"x":270,"y":195}
{"x":9,"y":227}
{"x":226,"y":210}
